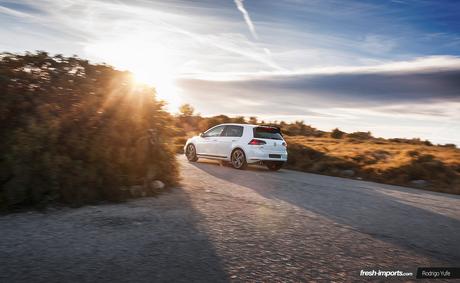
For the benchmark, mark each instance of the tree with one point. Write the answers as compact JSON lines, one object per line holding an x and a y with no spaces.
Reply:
{"x":186,"y":110}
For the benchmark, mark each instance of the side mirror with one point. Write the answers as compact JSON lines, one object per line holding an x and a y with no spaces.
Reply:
{"x":202,"y":135}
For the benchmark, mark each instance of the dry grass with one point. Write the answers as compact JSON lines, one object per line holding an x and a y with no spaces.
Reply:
{"x":378,"y":160}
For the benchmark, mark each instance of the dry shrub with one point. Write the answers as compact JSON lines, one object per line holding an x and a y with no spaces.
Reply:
{"x":337,"y":134}
{"x":75,"y":132}
{"x":308,"y":159}
{"x":360,"y":135}
{"x":425,"y":167}
{"x":390,"y":162}
{"x":179,"y":143}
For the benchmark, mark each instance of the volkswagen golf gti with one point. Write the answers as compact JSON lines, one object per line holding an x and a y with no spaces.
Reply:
{"x":239,"y":144}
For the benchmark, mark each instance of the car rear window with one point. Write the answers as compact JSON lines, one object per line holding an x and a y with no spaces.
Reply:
{"x":267,"y":133}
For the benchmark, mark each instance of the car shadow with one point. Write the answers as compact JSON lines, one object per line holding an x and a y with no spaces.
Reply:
{"x":364,"y":208}
{"x":212,"y":162}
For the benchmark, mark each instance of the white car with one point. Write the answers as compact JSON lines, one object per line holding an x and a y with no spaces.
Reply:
{"x":240,"y":144}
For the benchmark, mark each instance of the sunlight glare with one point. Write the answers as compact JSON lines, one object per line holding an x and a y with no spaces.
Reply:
{"x":150,"y":64}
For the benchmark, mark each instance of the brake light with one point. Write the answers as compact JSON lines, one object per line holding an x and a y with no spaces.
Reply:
{"x":256,"y":142}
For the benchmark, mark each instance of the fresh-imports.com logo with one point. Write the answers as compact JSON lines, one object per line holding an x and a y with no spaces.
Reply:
{"x":384,"y":273}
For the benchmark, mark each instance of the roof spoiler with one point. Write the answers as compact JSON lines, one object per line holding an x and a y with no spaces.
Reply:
{"x":273,"y":126}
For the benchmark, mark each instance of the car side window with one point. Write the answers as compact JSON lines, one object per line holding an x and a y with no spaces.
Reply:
{"x":233,"y":131}
{"x":214,"y":132}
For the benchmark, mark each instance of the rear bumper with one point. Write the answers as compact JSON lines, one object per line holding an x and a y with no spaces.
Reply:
{"x":256,"y":155}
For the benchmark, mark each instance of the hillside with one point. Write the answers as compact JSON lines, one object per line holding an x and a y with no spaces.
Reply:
{"x":435,"y":168}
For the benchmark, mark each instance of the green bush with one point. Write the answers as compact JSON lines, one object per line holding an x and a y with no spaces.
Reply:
{"x":75,"y":132}
{"x":337,"y":134}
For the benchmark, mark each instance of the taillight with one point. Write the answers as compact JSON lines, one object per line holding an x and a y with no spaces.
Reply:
{"x":256,"y":142}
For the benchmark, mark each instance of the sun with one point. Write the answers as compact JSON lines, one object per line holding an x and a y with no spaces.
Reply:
{"x":162,"y":79}
{"x":150,"y":63}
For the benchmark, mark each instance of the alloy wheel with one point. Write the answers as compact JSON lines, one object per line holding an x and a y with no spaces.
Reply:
{"x":238,"y":159}
{"x":191,"y":153}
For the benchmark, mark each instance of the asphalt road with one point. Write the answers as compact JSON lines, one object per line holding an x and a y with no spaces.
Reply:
{"x":229,"y":225}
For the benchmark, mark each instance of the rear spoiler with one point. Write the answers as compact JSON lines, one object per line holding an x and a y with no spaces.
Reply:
{"x":272,"y":126}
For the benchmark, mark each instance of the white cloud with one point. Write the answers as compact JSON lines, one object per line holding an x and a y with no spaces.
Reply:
{"x":12,"y":12}
{"x":416,"y":65}
{"x":247,"y":18}
{"x":377,"y":44}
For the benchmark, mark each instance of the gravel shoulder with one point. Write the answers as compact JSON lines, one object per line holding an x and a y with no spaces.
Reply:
{"x":225,"y":225}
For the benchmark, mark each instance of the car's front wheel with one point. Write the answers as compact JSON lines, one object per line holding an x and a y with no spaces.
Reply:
{"x":238,"y":159}
{"x":274,"y":165}
{"x":190,"y":152}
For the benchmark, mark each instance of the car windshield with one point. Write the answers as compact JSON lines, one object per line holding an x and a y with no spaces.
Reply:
{"x":214,"y":132}
{"x":267,"y":133}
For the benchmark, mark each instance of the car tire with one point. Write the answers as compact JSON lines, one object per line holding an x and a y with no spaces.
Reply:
{"x":238,"y":159}
{"x":190,"y":153}
{"x":274,"y":166}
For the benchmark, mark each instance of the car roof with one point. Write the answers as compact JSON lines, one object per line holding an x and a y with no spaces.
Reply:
{"x":245,"y":125}
{"x":236,"y":124}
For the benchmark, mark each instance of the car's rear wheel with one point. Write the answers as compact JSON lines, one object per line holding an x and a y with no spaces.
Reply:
{"x":274,"y":166}
{"x":190,"y":152}
{"x":238,"y":159}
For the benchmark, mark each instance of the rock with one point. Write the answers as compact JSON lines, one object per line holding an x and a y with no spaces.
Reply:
{"x":419,"y":183}
{"x":348,"y":172}
{"x":380,"y":155}
{"x":157,"y":185}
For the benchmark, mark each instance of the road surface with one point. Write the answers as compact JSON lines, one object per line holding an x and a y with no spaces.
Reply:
{"x":228,"y":225}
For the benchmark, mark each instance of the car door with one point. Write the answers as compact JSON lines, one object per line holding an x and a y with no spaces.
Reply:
{"x":230,"y":135}
{"x":200,"y":144}
{"x":208,"y":141}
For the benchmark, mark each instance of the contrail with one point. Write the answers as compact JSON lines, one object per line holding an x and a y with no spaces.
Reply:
{"x":240,"y":6}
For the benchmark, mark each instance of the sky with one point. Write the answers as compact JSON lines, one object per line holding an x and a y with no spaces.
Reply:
{"x":389,"y":67}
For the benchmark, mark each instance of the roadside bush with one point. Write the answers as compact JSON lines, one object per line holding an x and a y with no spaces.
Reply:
{"x":360,"y":135}
{"x":75,"y":132}
{"x":337,"y":134}
{"x":426,"y":167}
{"x":414,"y":141}
{"x":302,"y":154}
{"x":298,"y":128}
{"x":179,"y":143}
{"x":311,"y":160}
{"x":449,"y":145}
